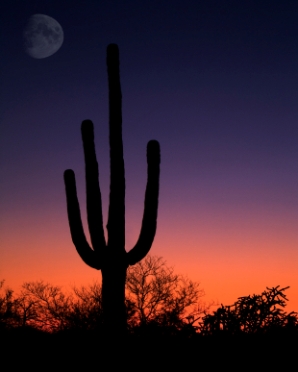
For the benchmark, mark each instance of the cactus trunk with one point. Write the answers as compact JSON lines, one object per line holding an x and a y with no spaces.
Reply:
{"x":111,"y":257}
{"x":113,"y":300}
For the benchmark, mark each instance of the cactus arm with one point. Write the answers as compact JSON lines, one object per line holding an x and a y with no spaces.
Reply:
{"x":94,"y":206}
{"x":89,"y":256}
{"x":116,"y":217}
{"x":149,"y":221}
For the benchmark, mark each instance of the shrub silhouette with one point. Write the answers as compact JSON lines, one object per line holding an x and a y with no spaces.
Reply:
{"x":39,"y":305}
{"x":151,"y":307}
{"x":251,"y":315}
{"x":85,"y":309}
{"x":43,"y":306}
{"x":157,"y":301}
{"x":163,"y":301}
{"x":111,"y":257}
{"x":8,"y":306}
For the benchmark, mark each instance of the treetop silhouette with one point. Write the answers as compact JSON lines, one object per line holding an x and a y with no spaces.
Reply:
{"x":252,"y":315}
{"x":111,"y":257}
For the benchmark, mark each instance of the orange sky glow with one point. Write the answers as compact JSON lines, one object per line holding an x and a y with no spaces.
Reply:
{"x":229,"y":257}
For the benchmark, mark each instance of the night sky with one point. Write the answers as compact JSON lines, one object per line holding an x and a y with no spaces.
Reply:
{"x":215,"y":82}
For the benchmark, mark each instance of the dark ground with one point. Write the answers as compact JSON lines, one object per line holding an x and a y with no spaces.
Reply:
{"x":76,"y":351}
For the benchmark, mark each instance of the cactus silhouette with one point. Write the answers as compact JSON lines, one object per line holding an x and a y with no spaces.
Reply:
{"x":111,"y":257}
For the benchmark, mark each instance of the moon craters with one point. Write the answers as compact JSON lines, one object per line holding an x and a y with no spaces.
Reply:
{"x":43,"y":36}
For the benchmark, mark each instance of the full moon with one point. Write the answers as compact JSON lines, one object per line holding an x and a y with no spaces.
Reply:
{"x":43,"y":36}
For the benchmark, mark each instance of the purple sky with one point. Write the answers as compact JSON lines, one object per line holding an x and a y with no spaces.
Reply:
{"x":215,"y":82}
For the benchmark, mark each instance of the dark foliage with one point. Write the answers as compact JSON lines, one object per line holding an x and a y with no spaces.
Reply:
{"x":8,"y":307}
{"x":267,"y":337}
{"x":163,"y":302}
{"x":159,"y":304}
{"x":158,"y":301}
{"x":252,"y":314}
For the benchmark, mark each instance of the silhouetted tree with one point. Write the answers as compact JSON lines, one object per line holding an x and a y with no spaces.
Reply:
{"x":251,"y":315}
{"x":161,"y":298}
{"x":8,"y":308}
{"x":43,"y":306}
{"x":85,"y":308}
{"x":156,"y":299}
{"x":111,"y":257}
{"x":158,"y":302}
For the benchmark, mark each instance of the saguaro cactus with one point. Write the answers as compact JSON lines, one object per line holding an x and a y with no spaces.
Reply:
{"x":111,"y":257}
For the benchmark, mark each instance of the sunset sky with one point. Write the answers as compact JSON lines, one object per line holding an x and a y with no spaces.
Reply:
{"x":214,"y":81}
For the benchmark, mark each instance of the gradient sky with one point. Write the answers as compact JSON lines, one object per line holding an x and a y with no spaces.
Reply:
{"x":215,"y":82}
